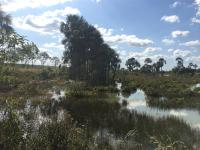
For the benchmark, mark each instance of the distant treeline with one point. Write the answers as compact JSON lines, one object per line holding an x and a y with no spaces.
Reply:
{"x":133,"y":64}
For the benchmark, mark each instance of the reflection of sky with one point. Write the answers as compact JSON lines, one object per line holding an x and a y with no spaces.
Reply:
{"x":195,"y":86}
{"x":56,"y":96}
{"x":136,"y":101}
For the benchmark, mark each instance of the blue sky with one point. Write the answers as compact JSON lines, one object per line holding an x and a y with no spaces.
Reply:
{"x":134,"y":28}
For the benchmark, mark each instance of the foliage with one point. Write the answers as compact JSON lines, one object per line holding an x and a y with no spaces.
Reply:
{"x":47,"y":73}
{"x":59,"y":135}
{"x":43,"y":57}
{"x":90,"y":59}
{"x":132,"y":63}
{"x":166,"y":143}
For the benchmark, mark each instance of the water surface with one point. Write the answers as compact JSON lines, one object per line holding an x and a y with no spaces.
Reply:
{"x":137,"y":101}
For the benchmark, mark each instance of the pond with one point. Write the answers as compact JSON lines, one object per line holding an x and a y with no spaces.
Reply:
{"x":111,"y":121}
{"x":137,"y":101}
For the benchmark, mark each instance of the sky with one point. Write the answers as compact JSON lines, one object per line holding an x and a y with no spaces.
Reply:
{"x":134,"y":28}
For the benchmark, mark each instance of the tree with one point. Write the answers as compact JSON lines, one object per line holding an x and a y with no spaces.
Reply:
{"x":148,"y":61}
{"x":89,"y":58}
{"x":147,"y":67}
{"x":34,"y":53}
{"x":115,"y":63}
{"x":11,"y":47}
{"x":180,"y":67}
{"x":192,"y":66}
{"x":161,"y":62}
{"x":43,"y":57}
{"x":29,"y":52}
{"x":179,"y":63}
{"x":132,"y":63}
{"x":6,"y":35}
{"x":55,"y":61}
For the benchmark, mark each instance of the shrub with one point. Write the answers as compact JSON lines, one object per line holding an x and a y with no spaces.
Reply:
{"x":7,"y":82}
{"x":48,"y":73}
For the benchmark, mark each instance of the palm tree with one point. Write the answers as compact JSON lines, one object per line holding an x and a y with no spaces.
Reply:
{"x":192,"y":66}
{"x":148,"y":61}
{"x":195,"y":66}
{"x":156,"y":67}
{"x":179,"y":63}
{"x":147,"y":67}
{"x":161,"y":63}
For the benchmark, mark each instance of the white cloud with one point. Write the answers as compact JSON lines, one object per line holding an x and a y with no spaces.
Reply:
{"x":46,"y":23}
{"x":142,"y":55}
{"x":133,"y":40}
{"x":196,"y":20}
{"x":115,"y":47}
{"x":175,"y":4}
{"x":170,"y":50}
{"x":14,"y":5}
{"x":53,"y":46}
{"x":170,"y":19}
{"x":195,"y":58}
{"x":151,"y":52}
{"x":152,"y":49}
{"x":182,"y":53}
{"x":105,"y":32}
{"x":191,"y":43}
{"x":168,"y":41}
{"x":197,"y":3}
{"x":96,"y":1}
{"x":179,"y":33}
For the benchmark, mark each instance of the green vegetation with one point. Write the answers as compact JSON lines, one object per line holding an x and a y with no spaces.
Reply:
{"x":177,"y":89}
{"x":90,"y":58}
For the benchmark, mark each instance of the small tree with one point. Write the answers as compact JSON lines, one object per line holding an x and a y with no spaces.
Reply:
{"x":147,"y":68}
{"x":132,"y":63}
{"x":43,"y":57}
{"x":179,"y":63}
{"x":55,"y":61}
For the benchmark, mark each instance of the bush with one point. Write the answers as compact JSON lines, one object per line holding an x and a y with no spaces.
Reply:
{"x":28,"y":89}
{"x":48,"y":73}
{"x":59,"y":135}
{"x":55,"y":134}
{"x":7,"y":82}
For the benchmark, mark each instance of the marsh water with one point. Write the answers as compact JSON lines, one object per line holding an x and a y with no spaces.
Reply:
{"x":137,"y":101}
{"x":107,"y":121}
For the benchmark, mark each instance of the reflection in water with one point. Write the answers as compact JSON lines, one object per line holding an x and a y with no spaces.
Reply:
{"x":37,"y":113}
{"x":195,"y":86}
{"x":137,"y":101}
{"x":57,"y":95}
